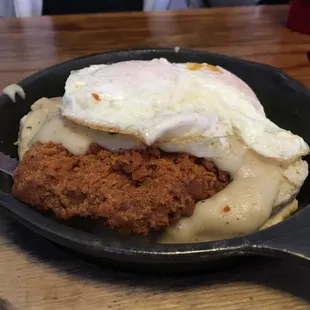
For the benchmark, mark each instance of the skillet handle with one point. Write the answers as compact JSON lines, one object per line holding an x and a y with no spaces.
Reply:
{"x":290,"y":239}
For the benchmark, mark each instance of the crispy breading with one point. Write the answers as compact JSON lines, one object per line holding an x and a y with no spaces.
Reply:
{"x":135,"y":191}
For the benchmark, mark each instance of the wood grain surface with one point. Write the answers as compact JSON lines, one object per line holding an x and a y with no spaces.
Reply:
{"x":36,"y":275}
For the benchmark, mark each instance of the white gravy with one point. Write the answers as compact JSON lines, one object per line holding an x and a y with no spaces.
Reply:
{"x":44,"y":124}
{"x":241,"y":208}
{"x":12,"y":90}
{"x":31,"y":123}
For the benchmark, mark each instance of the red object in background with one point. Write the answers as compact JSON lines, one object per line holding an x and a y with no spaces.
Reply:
{"x":299,"y":16}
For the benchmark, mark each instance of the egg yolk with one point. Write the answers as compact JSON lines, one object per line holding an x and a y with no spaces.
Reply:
{"x":197,"y":66}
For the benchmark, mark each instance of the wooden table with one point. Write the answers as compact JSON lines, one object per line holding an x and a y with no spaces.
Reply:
{"x":36,"y":275}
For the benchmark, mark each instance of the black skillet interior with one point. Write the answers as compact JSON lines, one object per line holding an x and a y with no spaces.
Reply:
{"x":286,"y":102}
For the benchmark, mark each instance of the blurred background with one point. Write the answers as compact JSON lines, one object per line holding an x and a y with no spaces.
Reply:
{"x":26,"y":8}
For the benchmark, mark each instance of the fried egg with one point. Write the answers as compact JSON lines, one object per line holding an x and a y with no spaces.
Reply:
{"x":160,"y":102}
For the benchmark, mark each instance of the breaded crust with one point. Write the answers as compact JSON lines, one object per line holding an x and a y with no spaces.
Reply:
{"x":135,"y":191}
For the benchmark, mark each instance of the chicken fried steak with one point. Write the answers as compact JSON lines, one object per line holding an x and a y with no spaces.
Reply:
{"x":135,"y":191}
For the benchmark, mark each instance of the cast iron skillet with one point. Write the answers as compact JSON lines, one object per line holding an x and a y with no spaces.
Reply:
{"x":286,"y":102}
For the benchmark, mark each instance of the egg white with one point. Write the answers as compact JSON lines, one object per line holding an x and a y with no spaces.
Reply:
{"x":159,"y":101}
